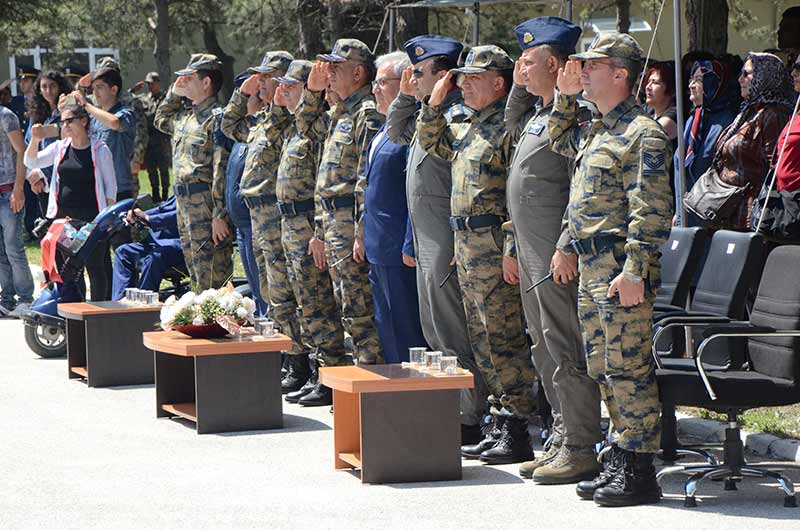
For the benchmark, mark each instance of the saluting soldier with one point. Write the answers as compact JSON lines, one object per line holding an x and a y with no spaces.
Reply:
{"x":478,"y":150}
{"x":305,"y":256}
{"x":428,"y":187}
{"x":618,"y":216}
{"x":348,"y":70}
{"x":198,"y":165}
{"x":264,"y":144}
{"x":538,"y":192}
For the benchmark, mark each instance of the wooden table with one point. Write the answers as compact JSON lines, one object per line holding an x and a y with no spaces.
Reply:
{"x":396,"y":424}
{"x":104,"y":344}
{"x":223,"y":385}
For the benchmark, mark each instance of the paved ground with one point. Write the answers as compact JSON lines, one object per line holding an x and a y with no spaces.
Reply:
{"x":82,"y":458}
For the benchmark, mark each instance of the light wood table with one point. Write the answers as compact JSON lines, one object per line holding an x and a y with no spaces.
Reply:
{"x":222,"y":385}
{"x":396,"y":424}
{"x":104,"y":344}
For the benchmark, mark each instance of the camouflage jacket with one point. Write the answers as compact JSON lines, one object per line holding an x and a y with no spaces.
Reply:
{"x":354,"y":123}
{"x":264,"y":143}
{"x":478,"y":150}
{"x":620,"y":186}
{"x":195,"y":155}
{"x":297,"y":171}
{"x":150,"y":104}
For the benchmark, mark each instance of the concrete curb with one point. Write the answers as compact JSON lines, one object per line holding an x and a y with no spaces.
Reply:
{"x":762,"y":444}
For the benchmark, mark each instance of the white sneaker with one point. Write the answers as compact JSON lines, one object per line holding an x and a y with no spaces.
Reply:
{"x":20,"y":311}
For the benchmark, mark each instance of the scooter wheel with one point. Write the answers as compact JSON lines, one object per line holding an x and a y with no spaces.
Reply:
{"x":46,"y":340}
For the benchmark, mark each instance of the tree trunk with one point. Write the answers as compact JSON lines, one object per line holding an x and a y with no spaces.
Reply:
{"x":212,"y":45}
{"x":161,"y":51}
{"x":335,"y":20}
{"x":409,"y":23}
{"x":707,"y":24}
{"x":310,"y":22}
{"x":623,"y":15}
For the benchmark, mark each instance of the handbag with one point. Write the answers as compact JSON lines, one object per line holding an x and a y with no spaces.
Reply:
{"x":713,"y":200}
{"x":781,"y":215}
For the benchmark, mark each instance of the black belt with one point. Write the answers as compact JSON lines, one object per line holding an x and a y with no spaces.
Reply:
{"x":184,"y":190}
{"x":472,"y":222}
{"x":291,"y":209}
{"x":594,"y":245}
{"x":259,"y":200}
{"x":335,"y":203}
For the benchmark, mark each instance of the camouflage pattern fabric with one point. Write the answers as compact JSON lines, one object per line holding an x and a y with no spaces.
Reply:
{"x":320,"y":324}
{"x":353,"y":124}
{"x":620,"y":188}
{"x":478,"y":150}
{"x":197,"y":159}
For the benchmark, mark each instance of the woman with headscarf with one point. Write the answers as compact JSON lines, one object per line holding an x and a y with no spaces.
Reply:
{"x":710,"y":115}
{"x":746,"y":149}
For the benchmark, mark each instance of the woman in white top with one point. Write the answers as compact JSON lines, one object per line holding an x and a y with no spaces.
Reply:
{"x":83,"y":183}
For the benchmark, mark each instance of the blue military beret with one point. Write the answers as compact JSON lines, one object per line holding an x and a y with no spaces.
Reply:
{"x":239,"y":80}
{"x":555,"y":31}
{"x":423,"y":46}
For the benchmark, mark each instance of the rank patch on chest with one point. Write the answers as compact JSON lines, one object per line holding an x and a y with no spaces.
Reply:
{"x":653,"y":163}
{"x":536,"y":128}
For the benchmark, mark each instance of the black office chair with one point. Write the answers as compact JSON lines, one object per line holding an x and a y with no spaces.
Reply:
{"x":771,"y":376}
{"x":680,"y":256}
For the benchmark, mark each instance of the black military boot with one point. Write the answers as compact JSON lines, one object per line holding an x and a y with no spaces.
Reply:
{"x":298,"y":374}
{"x":490,"y":427}
{"x":611,"y":466}
{"x":635,"y":484}
{"x":514,"y":445}
{"x":321,"y":396}
{"x":311,"y":384}
{"x":471,"y":434}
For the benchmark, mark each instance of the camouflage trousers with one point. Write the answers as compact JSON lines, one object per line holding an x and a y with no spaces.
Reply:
{"x":209,"y":265}
{"x":266,"y":223}
{"x":320,"y":324}
{"x":494,"y":320}
{"x":351,"y":286}
{"x":618,"y":353}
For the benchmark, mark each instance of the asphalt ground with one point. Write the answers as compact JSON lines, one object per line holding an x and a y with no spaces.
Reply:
{"x":82,"y":458}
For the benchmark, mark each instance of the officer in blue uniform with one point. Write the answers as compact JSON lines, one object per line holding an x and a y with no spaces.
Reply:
{"x":143,"y":264}
{"x":387,"y":233}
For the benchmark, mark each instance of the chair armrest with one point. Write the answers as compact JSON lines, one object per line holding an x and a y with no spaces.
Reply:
{"x":664,"y":308}
{"x":689,"y":320}
{"x":739,"y":329}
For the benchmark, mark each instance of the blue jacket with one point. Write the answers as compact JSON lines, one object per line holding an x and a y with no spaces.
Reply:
{"x":387,"y":231}
{"x":121,"y":143}
{"x":164,"y":224}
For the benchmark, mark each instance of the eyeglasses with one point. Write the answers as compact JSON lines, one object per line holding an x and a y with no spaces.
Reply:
{"x":383,"y":82}
{"x":67,"y":121}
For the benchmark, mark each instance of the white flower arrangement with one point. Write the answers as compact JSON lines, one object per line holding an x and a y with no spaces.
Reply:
{"x":208,"y":307}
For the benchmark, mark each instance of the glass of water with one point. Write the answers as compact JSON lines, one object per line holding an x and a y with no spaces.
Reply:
{"x":450,"y":365}
{"x":416,"y":356}
{"x":433,"y":360}
{"x":151,"y":298}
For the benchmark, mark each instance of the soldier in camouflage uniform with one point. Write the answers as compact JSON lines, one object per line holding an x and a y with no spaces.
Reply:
{"x":199,"y":170}
{"x":157,"y":151}
{"x":478,"y":150}
{"x":355,"y":120}
{"x":538,"y":192}
{"x":305,"y":258}
{"x":264,"y":144}
{"x":618,"y":216}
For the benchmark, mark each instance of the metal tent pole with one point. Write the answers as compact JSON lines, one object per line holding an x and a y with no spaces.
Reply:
{"x":680,"y":183}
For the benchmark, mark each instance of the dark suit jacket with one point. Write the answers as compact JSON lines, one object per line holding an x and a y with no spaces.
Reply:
{"x":387,"y":233}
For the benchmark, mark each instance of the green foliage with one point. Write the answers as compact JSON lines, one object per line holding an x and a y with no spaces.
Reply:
{"x":184,"y":317}
{"x":209,"y":310}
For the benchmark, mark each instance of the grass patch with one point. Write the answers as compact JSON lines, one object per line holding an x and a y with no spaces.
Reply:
{"x":783,"y":422}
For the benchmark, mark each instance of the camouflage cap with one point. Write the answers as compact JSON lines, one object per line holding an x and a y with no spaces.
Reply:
{"x":348,"y":50}
{"x":201,"y":61}
{"x":612,"y":44}
{"x":484,"y":58}
{"x":152,"y":77}
{"x":273,"y":61}
{"x":107,"y":62}
{"x":297,"y":73}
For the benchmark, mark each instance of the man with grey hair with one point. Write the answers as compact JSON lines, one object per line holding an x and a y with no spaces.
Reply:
{"x":387,"y":235}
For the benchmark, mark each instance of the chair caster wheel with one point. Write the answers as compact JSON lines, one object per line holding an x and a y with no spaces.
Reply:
{"x":689,"y":502}
{"x":730,"y":484}
{"x":790,"y":501}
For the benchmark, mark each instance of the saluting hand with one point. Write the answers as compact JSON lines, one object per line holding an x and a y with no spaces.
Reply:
{"x":250,"y":86}
{"x":518,"y":79}
{"x":569,"y":78}
{"x":441,"y":89}
{"x":318,"y":77}
{"x":406,"y":87}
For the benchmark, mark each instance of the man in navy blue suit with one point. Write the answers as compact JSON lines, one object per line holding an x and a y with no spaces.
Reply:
{"x":387,"y":232}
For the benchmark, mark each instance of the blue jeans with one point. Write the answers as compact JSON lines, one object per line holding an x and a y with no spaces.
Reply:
{"x":15,"y":273}
{"x":244,"y":239}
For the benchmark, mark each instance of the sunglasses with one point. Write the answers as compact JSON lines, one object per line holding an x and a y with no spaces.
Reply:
{"x":67,"y":121}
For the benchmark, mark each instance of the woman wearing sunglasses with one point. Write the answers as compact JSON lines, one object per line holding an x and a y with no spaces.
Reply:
{"x":83,"y":181}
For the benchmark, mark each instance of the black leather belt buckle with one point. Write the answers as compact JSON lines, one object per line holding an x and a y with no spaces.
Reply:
{"x":287,"y":208}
